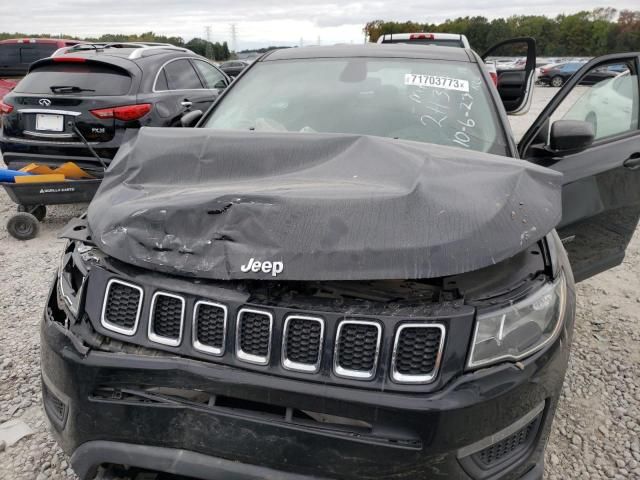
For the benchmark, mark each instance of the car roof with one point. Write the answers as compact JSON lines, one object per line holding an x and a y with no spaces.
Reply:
{"x":374,"y":50}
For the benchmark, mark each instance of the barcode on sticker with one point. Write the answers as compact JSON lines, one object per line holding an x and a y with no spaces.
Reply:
{"x":436,"y":81}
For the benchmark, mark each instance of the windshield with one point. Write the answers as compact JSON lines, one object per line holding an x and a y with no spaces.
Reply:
{"x":423,"y":100}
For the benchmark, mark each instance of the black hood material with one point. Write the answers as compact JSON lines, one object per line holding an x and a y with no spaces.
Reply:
{"x":204,"y":203}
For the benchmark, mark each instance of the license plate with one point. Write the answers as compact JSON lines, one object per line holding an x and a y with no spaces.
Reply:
{"x":51,"y":123}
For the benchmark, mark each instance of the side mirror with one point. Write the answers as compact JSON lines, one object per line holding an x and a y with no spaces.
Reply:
{"x":570,"y":136}
{"x":189,"y":119}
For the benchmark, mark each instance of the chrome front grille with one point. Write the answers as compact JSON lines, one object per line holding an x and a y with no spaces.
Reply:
{"x":121,"y":307}
{"x":357,"y":349}
{"x":209,"y":327}
{"x":253,"y":336}
{"x":277,"y":337}
{"x":166,"y":319}
{"x":417,"y":350}
{"x":302,"y":343}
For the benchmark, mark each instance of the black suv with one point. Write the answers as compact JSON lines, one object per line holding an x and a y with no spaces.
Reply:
{"x":356,"y":275}
{"x":102,"y":90}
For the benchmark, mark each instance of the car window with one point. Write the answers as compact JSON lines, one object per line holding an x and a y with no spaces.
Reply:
{"x":9,"y":54}
{"x":93,"y":79}
{"x":213,"y":78}
{"x":611,"y":104}
{"x":161,"y":82}
{"x":181,"y":75}
{"x":31,"y":53}
{"x":422,"y":100}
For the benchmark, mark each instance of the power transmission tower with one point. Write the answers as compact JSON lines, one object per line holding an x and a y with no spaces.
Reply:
{"x":209,"y":53}
{"x":234,"y":37}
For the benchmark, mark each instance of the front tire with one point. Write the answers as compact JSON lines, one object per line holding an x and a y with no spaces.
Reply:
{"x":557,"y":81}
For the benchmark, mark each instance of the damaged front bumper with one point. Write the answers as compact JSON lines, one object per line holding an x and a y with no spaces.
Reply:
{"x":155,"y":410}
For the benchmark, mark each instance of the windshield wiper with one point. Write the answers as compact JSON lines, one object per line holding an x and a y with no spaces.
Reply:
{"x":69,"y":89}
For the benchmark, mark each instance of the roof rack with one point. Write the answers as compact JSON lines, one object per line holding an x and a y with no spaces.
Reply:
{"x":140,"y":52}
{"x":101,"y":45}
{"x":139,"y":47}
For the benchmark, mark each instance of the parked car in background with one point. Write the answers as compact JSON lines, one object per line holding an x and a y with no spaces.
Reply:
{"x":609,"y":105}
{"x":101,"y":91}
{"x":233,"y":68}
{"x":617,"y":68}
{"x":17,"y":54}
{"x":556,"y":75}
{"x":422,"y":38}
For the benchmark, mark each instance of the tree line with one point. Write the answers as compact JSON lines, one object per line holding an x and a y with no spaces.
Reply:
{"x":214,"y":51}
{"x":586,"y":33}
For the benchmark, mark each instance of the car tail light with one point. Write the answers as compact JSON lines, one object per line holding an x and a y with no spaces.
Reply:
{"x":125,"y":112}
{"x":5,"y":108}
{"x":543,"y":70}
{"x":494,"y":77}
{"x":69,"y":59}
{"x":416,"y":36}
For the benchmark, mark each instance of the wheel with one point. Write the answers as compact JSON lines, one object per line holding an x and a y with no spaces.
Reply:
{"x":23,"y":226}
{"x":39,"y":211}
{"x":557,"y":81}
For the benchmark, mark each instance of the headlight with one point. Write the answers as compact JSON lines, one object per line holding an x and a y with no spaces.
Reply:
{"x":72,"y":276}
{"x":523,"y":328}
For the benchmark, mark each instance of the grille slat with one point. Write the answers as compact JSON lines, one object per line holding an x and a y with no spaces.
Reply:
{"x":122,"y":307}
{"x":166,"y":319}
{"x":209,"y":327}
{"x":302,"y":345}
{"x":253,"y":336}
{"x":357,"y":349}
{"x":416,"y":352}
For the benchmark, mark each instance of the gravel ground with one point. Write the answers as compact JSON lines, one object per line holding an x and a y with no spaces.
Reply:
{"x":596,"y":433}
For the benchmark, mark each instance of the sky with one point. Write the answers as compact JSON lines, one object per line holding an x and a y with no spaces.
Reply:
{"x":260,"y":23}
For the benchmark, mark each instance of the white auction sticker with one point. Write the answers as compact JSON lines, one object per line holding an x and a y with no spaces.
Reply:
{"x":436,"y":81}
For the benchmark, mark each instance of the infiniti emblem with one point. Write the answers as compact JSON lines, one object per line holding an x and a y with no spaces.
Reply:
{"x":45,"y":102}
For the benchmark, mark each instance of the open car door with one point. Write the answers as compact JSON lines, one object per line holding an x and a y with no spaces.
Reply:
{"x":515,"y":82}
{"x":591,"y":134}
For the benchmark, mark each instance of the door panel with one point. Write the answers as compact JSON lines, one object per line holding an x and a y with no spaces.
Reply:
{"x":601,"y":184}
{"x":515,"y":85}
{"x":601,"y":206}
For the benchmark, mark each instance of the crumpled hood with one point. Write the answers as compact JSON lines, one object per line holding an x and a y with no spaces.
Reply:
{"x":218,"y":204}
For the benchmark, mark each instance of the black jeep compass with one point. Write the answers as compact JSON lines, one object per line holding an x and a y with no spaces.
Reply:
{"x":355,"y":273}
